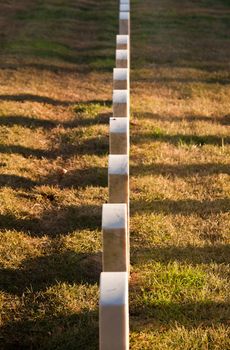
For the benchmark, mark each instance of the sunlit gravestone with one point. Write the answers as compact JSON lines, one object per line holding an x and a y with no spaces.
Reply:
{"x":121,"y":79}
{"x":119,"y":136}
{"x":114,"y":311}
{"x":124,"y":8}
{"x":124,"y":23}
{"x":122,"y":42}
{"x":118,"y":174}
{"x":122,"y":59}
{"x":121,"y":103}
{"x":115,"y":237}
{"x":114,"y":314}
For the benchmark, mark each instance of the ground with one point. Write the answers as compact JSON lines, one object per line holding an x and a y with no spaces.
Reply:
{"x":55,"y":102}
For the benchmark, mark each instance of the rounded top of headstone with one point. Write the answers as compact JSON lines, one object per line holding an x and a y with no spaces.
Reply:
{"x":121,"y":54}
{"x":122,"y":39}
{"x":120,"y":73}
{"x":124,"y":15}
{"x":114,"y":216}
{"x":114,"y":288}
{"x":120,"y":96}
{"x":119,"y":125}
{"x":118,"y":164}
{"x":124,"y":7}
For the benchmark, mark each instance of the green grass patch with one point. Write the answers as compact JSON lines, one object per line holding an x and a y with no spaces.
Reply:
{"x":176,"y":293}
{"x":91,"y":109}
{"x":174,"y":283}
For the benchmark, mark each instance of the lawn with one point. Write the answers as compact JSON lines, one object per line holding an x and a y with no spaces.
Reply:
{"x":56,"y":61}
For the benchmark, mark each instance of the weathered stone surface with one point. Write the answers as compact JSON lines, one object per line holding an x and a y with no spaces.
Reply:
{"x":114,"y":311}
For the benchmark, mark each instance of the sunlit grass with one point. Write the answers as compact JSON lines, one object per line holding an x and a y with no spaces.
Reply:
{"x":55,"y":104}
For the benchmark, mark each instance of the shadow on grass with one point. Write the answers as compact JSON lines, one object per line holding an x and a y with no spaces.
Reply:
{"x":100,"y":145}
{"x":23,"y":121}
{"x":69,"y":64}
{"x":80,"y":178}
{"x":35,"y":98}
{"x":218,"y":253}
{"x":87,"y":113}
{"x":189,"y":314}
{"x":56,"y":221}
{"x":27,"y":152}
{"x":101,"y":119}
{"x":74,"y":331}
{"x":15,"y":182}
{"x":185,"y":80}
{"x":42,"y":272}
{"x":225,"y":120}
{"x":181,"y":139}
{"x":93,"y":176}
{"x":41,"y":66}
{"x":50,"y":101}
{"x":91,"y":146}
{"x":97,"y":176}
{"x":9,"y":121}
{"x":184,"y":207}
{"x":180,"y":170}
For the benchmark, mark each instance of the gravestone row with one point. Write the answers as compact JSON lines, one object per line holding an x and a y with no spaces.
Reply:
{"x":113,"y":304}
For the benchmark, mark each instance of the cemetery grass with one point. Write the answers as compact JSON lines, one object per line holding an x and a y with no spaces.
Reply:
{"x":55,"y":102}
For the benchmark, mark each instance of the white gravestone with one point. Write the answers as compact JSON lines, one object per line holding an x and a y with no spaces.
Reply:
{"x":124,"y":8}
{"x":122,"y":42}
{"x":120,"y":103}
{"x":121,"y":79}
{"x":118,"y":174}
{"x":115,"y":237}
{"x":114,"y":311}
{"x":119,"y":136}
{"x":124,"y":23}
{"x":122,"y":59}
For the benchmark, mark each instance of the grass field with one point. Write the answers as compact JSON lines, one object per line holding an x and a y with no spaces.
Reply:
{"x":56,"y":60}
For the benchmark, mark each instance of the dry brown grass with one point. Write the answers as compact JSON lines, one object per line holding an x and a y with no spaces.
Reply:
{"x":55,"y":103}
